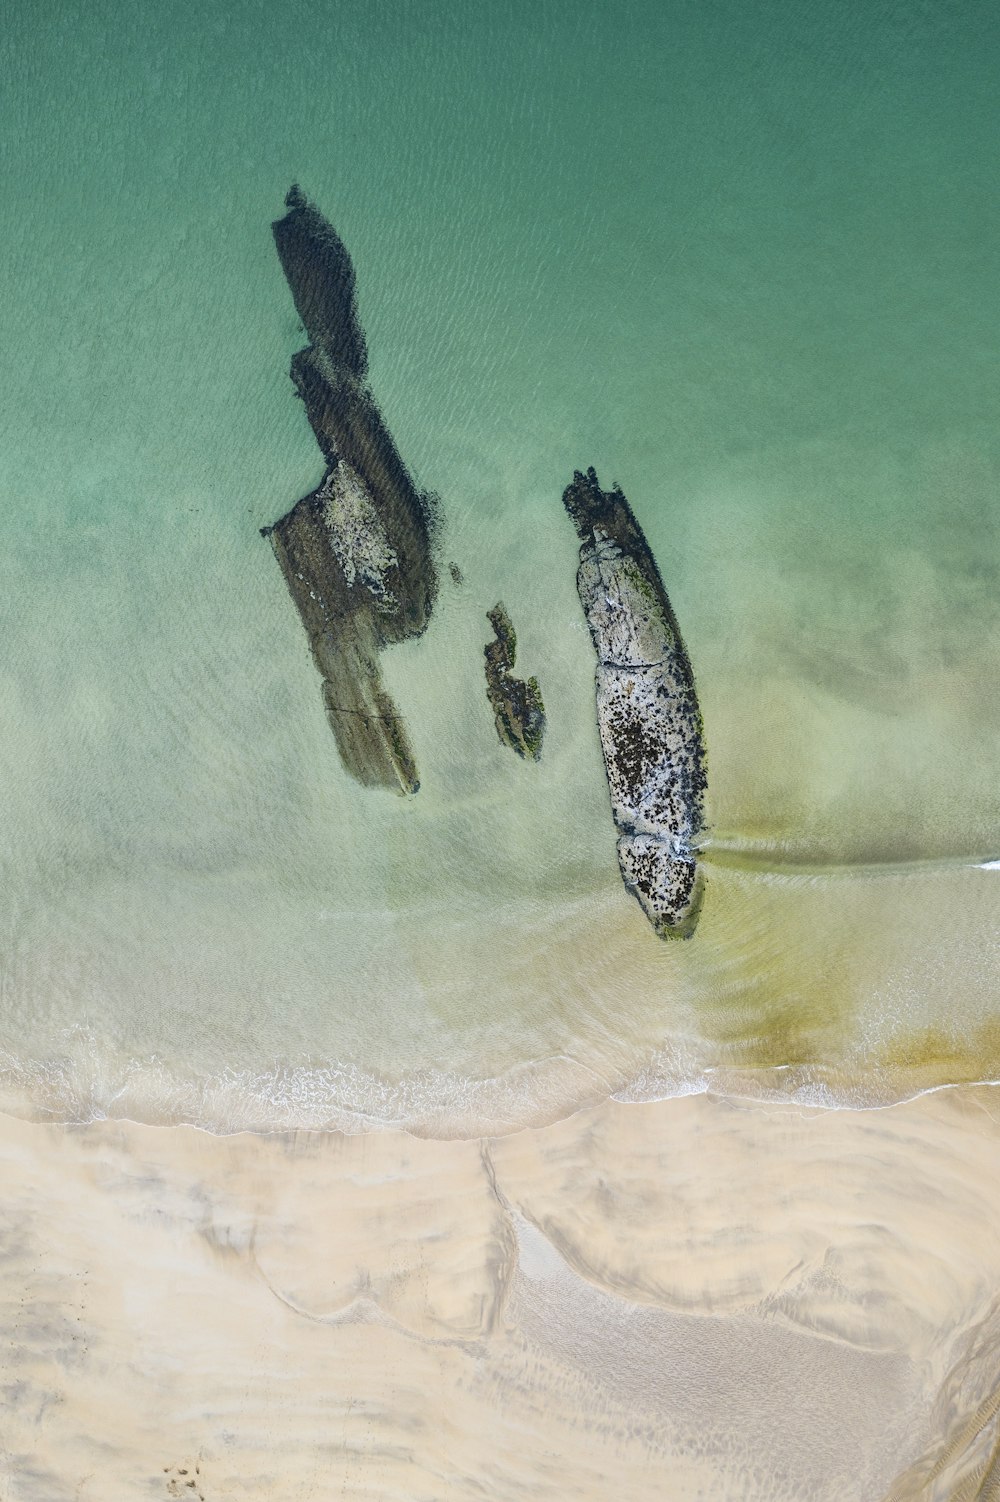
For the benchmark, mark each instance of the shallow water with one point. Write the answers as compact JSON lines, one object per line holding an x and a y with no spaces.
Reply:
{"x":742,"y":262}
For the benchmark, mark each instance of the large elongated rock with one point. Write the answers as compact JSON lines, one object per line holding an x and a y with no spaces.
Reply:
{"x":355,"y":552}
{"x":647,"y":710}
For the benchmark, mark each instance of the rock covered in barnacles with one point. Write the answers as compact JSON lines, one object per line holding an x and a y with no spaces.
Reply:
{"x":647,"y":711}
{"x":517,"y":705}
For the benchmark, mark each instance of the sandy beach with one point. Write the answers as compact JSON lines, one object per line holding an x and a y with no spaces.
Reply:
{"x":699,"y":1297}
{"x":356,"y":1146}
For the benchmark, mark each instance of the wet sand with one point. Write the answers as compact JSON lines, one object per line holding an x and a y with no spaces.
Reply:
{"x":697,"y":1297}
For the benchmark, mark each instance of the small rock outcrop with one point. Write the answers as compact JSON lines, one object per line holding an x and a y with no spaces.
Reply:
{"x":647,"y":711}
{"x":517,"y":705}
{"x":356,"y":552}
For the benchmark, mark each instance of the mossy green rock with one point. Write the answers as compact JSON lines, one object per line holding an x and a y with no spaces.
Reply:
{"x":518,"y":710}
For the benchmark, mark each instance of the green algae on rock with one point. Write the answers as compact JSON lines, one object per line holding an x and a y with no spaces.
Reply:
{"x":517,"y":705}
{"x":356,"y":552}
{"x":647,"y":711}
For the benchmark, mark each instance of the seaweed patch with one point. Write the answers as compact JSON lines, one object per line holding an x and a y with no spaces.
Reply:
{"x":518,"y":710}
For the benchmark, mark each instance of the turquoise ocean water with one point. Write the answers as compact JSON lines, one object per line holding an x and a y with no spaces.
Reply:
{"x":742,"y":259}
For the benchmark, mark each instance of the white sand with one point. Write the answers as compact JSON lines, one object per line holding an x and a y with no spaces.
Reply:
{"x":697,"y":1298}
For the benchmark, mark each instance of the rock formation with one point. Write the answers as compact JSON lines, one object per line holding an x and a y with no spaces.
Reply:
{"x":517,"y":706}
{"x":647,"y":711}
{"x":356,"y":552}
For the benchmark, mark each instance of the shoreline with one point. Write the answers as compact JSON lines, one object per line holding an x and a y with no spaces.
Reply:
{"x":781,"y":1086}
{"x":837,"y":994}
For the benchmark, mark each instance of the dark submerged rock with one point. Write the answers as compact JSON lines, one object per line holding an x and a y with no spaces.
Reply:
{"x":647,"y":710}
{"x":320,"y":277}
{"x":517,"y":705}
{"x":356,"y":553}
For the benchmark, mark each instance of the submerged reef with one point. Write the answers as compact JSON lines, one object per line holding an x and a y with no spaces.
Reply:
{"x":517,"y":705}
{"x":647,"y":710}
{"x":356,"y":552}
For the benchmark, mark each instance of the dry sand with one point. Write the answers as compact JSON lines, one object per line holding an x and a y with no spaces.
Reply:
{"x":697,"y":1298}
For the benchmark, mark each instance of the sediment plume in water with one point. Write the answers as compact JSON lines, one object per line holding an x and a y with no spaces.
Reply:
{"x":647,"y":709}
{"x":356,"y":552}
